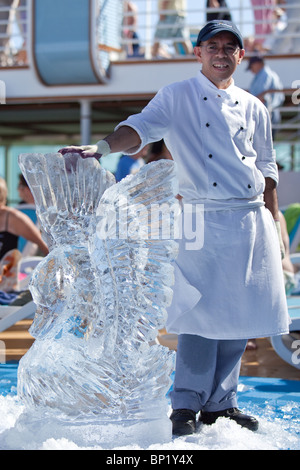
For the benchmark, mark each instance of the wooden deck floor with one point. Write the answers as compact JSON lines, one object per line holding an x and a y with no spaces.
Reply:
{"x":17,"y":340}
{"x":262,"y":362}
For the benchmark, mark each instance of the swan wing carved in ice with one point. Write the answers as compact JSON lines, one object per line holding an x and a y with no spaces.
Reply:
{"x":102,"y":292}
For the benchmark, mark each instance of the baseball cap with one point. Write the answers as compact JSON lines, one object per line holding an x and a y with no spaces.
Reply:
{"x":218,"y":26}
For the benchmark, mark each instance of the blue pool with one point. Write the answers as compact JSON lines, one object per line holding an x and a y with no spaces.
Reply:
{"x":276,"y":403}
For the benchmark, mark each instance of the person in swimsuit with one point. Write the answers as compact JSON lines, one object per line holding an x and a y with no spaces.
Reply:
{"x":15,"y":224}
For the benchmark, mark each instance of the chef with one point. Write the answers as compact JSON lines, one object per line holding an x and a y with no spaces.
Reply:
{"x":231,"y":288}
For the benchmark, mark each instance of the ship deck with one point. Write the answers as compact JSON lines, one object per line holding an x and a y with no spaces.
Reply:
{"x":261,"y":362}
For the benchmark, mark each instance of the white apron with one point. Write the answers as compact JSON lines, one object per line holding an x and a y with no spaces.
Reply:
{"x":221,"y":141}
{"x":233,"y":287}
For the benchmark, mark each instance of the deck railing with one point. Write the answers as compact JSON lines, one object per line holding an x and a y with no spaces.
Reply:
{"x":14,"y":33}
{"x":275,"y":29}
{"x":258,"y":25}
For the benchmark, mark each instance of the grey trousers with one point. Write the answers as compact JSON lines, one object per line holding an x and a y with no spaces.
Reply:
{"x":207,"y":373}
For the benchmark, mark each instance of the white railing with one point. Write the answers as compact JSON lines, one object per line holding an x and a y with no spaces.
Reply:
{"x":288,"y":155}
{"x":260,"y":25}
{"x":13,"y":33}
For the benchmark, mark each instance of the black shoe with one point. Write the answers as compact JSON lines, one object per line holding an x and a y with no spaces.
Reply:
{"x":183,"y":422}
{"x":249,"y":422}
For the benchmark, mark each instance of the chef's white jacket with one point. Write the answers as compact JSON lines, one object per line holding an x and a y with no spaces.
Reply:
{"x":220,"y":139}
{"x":232,"y":287}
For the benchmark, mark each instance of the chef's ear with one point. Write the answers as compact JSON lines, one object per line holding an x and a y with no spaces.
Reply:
{"x":198,"y":53}
{"x":241,"y":55}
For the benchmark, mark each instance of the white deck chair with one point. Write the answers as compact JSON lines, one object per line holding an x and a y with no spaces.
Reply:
{"x":11,"y":314}
{"x":26,"y":247}
{"x":295,"y":239}
{"x":294,"y":232}
{"x":286,"y":346}
{"x":27,"y":265}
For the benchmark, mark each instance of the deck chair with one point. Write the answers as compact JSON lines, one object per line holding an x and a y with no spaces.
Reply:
{"x":23,"y":306}
{"x":26,"y":268}
{"x":286,"y":345}
{"x":26,"y":247}
{"x":292,"y":217}
{"x":11,"y":314}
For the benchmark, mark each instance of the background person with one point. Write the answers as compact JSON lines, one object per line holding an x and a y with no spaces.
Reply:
{"x":266,"y":79}
{"x":158,"y":151}
{"x":27,"y":207}
{"x":130,"y":164}
{"x":263,"y":14}
{"x":172,"y":25}
{"x":130,"y":30}
{"x":15,"y":224}
{"x":5,"y":6}
{"x":288,"y":39}
{"x":217,"y":15}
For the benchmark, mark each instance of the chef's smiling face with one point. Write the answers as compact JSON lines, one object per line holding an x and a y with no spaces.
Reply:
{"x":219,"y":56}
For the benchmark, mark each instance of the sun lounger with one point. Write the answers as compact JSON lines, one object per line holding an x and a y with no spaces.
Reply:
{"x":288,"y":346}
{"x":292,"y":217}
{"x":26,"y":247}
{"x":9,"y":315}
{"x":27,"y":265}
{"x":23,"y":306}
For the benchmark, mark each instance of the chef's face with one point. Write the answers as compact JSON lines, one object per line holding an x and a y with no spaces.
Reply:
{"x":219,"y":56}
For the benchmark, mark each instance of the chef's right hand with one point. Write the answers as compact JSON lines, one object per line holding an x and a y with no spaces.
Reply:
{"x":85,"y":151}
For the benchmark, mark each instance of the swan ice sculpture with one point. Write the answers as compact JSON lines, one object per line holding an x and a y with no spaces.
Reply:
{"x":101,"y":293}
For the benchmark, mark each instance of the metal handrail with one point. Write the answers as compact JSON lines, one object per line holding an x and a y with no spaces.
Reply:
{"x":13,"y":34}
{"x":147,"y":19}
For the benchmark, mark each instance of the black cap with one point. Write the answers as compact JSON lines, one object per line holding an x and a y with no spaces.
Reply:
{"x":253,"y":60}
{"x":218,"y":26}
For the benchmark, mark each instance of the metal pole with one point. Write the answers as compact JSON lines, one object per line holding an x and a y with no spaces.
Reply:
{"x":293,"y":157}
{"x":148,"y":38}
{"x":85,"y":122}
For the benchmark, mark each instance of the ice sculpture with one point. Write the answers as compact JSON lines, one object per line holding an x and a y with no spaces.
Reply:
{"x":101,"y":293}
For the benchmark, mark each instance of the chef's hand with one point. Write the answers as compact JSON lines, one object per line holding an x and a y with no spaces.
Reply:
{"x":101,"y":149}
{"x":85,"y":151}
{"x":278,"y":228}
